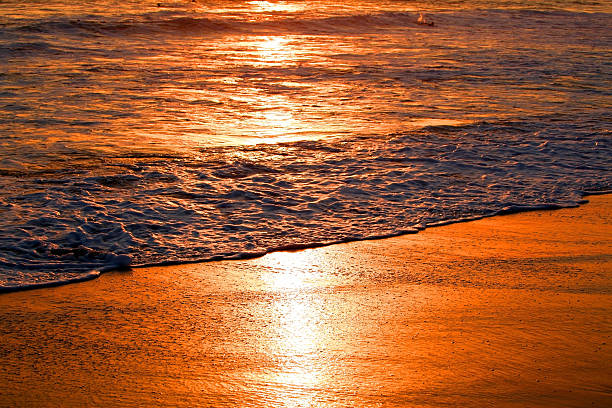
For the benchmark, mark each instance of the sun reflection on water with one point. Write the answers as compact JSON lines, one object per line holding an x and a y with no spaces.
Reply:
{"x":274,"y":51}
{"x":266,"y":109}
{"x":275,"y":7}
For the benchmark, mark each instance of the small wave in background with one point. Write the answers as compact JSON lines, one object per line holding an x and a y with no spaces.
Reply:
{"x":138,"y":133}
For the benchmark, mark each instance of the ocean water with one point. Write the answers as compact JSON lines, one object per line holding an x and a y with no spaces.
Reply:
{"x":140,"y":133}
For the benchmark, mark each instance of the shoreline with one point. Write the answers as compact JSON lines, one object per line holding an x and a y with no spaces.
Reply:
{"x":506,"y":311}
{"x":95,"y":274}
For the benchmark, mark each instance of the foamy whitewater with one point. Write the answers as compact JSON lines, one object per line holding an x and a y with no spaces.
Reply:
{"x":138,"y":133}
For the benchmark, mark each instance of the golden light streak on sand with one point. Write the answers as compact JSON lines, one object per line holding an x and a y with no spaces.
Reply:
{"x":509,"y":311}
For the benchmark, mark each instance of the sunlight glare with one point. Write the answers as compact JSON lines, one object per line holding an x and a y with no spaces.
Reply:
{"x":274,"y":51}
{"x":274,"y":7}
{"x":297,"y":332}
{"x":290,"y":270}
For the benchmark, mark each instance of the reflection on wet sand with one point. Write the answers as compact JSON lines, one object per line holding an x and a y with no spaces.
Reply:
{"x":295,"y":338}
{"x":508,"y":311}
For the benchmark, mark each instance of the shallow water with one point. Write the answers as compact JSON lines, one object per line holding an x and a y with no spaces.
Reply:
{"x":502,"y":312}
{"x":137,"y":133}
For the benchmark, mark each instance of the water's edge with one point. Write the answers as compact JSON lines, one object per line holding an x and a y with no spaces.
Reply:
{"x":297,"y":247}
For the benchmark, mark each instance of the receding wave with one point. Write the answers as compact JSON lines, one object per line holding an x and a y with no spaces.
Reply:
{"x":235,"y":202}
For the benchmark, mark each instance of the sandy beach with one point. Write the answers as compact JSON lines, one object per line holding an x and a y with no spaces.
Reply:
{"x":510,"y":311}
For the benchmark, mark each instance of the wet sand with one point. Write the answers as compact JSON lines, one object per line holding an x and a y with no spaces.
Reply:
{"x":510,"y":311}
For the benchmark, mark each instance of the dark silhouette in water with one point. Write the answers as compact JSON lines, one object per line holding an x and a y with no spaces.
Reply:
{"x":424,"y":21}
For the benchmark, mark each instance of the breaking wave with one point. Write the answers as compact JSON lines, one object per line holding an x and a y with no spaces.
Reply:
{"x":177,"y":23}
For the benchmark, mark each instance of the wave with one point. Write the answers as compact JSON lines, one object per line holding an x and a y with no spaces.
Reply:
{"x":125,"y":262}
{"x":184,"y":25}
{"x":82,"y":277}
{"x":244,"y":201}
{"x":179,"y":24}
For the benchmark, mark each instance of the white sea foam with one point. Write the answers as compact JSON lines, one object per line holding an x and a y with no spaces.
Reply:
{"x":308,"y":193}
